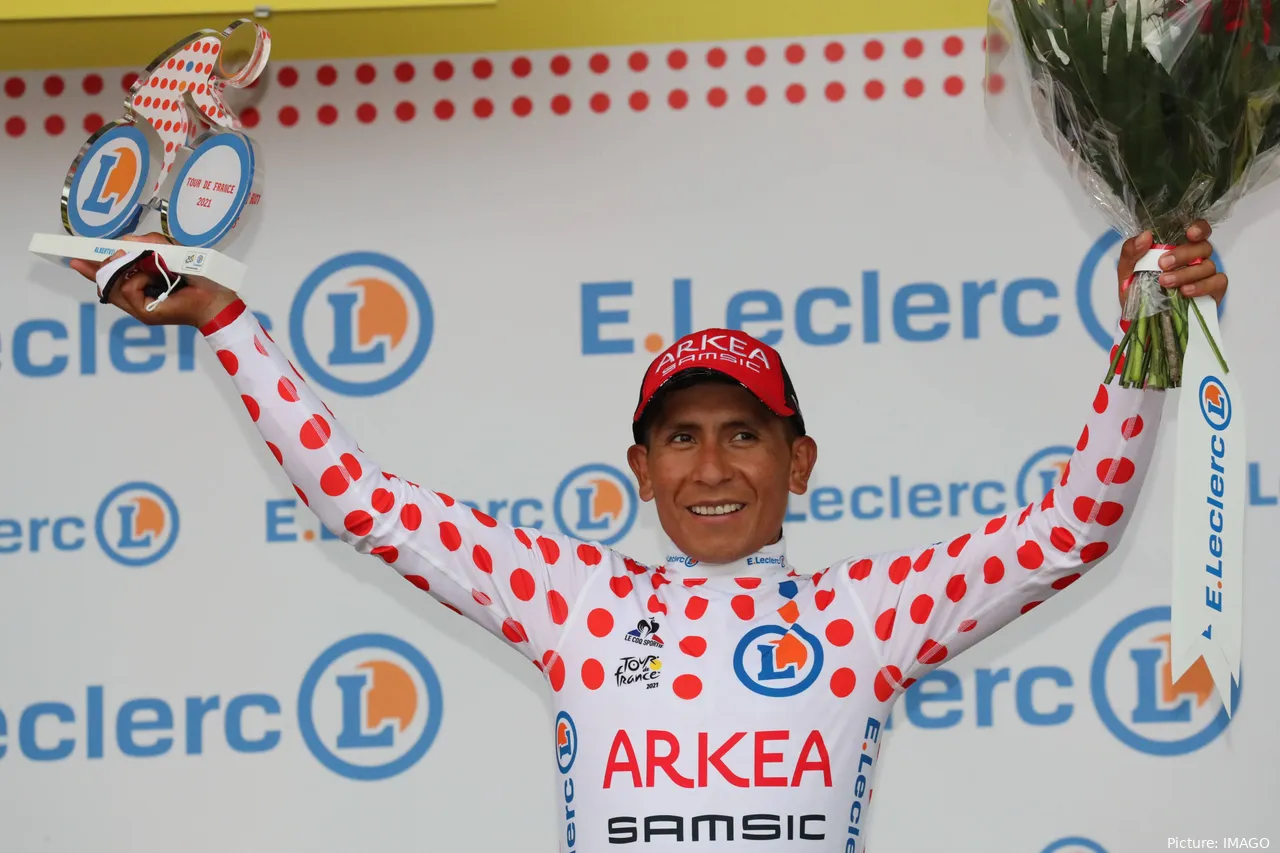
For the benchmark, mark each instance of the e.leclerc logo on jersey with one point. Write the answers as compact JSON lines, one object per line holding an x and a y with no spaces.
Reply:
{"x":136,"y":524}
{"x":1215,"y":403}
{"x":775,"y":661}
{"x":361,"y":324}
{"x":369,"y":707}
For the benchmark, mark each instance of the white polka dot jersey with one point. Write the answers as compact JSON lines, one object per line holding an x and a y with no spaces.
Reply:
{"x":705,"y":707}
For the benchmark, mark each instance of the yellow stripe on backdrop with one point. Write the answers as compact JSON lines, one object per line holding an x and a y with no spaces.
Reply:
{"x":505,"y":25}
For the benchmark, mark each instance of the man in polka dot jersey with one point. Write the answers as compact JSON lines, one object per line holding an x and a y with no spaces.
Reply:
{"x":722,"y":697}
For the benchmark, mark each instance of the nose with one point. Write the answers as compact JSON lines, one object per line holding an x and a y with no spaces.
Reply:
{"x":712,"y":468}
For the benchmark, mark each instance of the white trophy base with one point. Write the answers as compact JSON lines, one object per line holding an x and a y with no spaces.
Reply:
{"x":206,"y":263}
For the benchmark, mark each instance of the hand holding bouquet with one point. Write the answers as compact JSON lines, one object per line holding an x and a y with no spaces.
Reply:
{"x":1166,"y":112}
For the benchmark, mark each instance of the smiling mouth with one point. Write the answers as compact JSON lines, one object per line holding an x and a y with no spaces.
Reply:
{"x":709,"y":510}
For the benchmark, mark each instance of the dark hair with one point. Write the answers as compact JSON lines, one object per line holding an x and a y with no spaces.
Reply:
{"x":642,"y":430}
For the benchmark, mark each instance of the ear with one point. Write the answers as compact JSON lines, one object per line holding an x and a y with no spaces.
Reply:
{"x":638,"y":459}
{"x":804,"y":455}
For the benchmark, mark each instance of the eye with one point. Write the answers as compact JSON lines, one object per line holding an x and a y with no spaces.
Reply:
{"x":744,"y":435}
{"x":680,"y":438}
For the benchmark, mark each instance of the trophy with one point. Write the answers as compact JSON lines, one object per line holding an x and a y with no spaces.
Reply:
{"x":178,"y":151}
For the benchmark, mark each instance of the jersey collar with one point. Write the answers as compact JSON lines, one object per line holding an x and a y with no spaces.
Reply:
{"x":769,"y":560}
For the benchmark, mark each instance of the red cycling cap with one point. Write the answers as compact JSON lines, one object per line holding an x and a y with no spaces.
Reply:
{"x":753,"y":364}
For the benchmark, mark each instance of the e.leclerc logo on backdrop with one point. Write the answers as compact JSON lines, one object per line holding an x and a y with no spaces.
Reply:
{"x":369,"y":707}
{"x":361,"y":324}
{"x":136,"y":524}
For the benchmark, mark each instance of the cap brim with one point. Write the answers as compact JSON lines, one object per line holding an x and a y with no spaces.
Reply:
{"x":689,"y":377}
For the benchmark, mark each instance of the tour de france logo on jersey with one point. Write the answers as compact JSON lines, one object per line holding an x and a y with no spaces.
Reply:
{"x":136,"y":524}
{"x":1215,"y":403}
{"x":596,"y":503}
{"x":361,"y":324}
{"x":370,"y":707}
{"x":775,"y":661}
{"x":1137,"y":699}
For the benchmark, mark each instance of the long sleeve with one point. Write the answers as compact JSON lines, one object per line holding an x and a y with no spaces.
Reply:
{"x":519,"y":584}
{"x":926,"y":606}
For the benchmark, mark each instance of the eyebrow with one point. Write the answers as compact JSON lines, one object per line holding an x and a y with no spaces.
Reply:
{"x":690,"y":426}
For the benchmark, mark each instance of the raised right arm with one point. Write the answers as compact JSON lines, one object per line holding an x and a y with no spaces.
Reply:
{"x":518,"y":583}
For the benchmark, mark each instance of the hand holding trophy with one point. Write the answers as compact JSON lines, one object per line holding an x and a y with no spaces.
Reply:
{"x":177,"y":151}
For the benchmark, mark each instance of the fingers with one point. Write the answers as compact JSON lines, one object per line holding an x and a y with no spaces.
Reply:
{"x":1189,"y":275}
{"x":1199,"y":230}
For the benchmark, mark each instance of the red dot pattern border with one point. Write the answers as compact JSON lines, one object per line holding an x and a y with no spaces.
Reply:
{"x":634,"y":80}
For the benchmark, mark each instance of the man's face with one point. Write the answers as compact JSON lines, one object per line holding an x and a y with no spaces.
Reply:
{"x":719,"y":467}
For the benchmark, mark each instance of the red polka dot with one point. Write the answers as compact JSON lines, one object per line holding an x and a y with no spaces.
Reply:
{"x":717,"y":97}
{"x":419,"y":581}
{"x":834,"y":51}
{"x":795,"y":53}
{"x":314,"y":433}
{"x":914,"y":87}
{"x":747,"y":583}
{"x":1062,"y":539}
{"x":275,"y":451}
{"x":996,"y":523}
{"x":326,"y":75}
{"x":486,"y":520}
{"x":448,"y":501}
{"x":823,"y":598}
{"x":755,"y":55}
{"x":953,"y":46}
{"x":1030,"y":556}
{"x":366,"y":113}
{"x":481,"y":598}
{"x":677,"y":59}
{"x":443,"y":70}
{"x":127,"y":81}
{"x":288,"y":116}
{"x":621,"y":586}
{"x":560,"y":105}
{"x":887,"y":680}
{"x":695,"y":607}
{"x":1064,"y":582}
{"x":795,"y":93}
{"x":388,"y":553}
{"x":92,"y":123}
{"x":992,"y":570}
{"x":521,"y":66}
{"x":54,"y":125}
{"x":692,"y":582}
{"x":411,"y":516}
{"x":873,"y":49}
{"x":842,"y":682}
{"x":53,"y":85}
{"x":899,"y":569}
{"x":556,"y":674}
{"x":874,"y":90}
{"x":884,"y":623}
{"x":522,"y":585}
{"x":550,"y":550}
{"x":599,"y":63}
{"x":382,"y":501}
{"x":835,"y":91}
{"x":687,"y":686}
{"x":483,"y":108}
{"x":956,"y":587}
{"x":638,"y":61}
{"x":592,"y":674}
{"x":921,"y":607}
{"x":482,"y":558}
{"x":515,"y":632}
{"x":743,"y":606}
{"x":358,"y":522}
{"x":639,"y":101}
{"x":656,"y":605}
{"x":1093,"y":551}
{"x":953,"y":85}
{"x":599,"y":102}
{"x":230,"y":363}
{"x":913,"y":48}
{"x":366,"y":73}
{"x":1100,"y":400}
{"x":15,"y":86}
{"x":405,"y":71}
{"x":252,"y":405}
{"x":860,"y":570}
{"x":716,"y":57}
{"x":840,"y":632}
{"x":522,"y":106}
{"x":287,"y":390}
{"x":449,"y":536}
{"x":957,"y":545}
{"x":405,"y":111}
{"x":443,"y":109}
{"x":1066,"y":472}
{"x":249,"y":117}
{"x":92,"y":84}
{"x":1115,"y":471}
{"x":327,"y":114}
{"x":560,"y":65}
{"x":600,"y":622}
{"x":589,"y":554}
{"x":1131,"y":427}
{"x":482,"y":69}
{"x":693,"y":646}
{"x":658,"y":579}
{"x":931,"y":652}
{"x":922,"y":562}
{"x":336,"y":478}
{"x":1027,"y":608}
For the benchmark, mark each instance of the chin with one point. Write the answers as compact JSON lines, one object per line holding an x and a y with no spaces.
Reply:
{"x":722,"y":546}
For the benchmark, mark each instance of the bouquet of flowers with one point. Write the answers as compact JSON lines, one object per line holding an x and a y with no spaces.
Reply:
{"x":1166,"y":111}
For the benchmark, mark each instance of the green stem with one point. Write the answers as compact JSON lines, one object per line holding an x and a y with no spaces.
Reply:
{"x":1216,"y":352}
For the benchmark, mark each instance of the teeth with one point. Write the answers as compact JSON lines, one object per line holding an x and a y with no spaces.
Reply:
{"x":720,"y":509}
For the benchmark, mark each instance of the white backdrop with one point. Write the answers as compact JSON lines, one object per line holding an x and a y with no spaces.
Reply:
{"x":538,"y":239}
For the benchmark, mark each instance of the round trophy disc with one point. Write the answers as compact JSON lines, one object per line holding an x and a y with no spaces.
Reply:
{"x":215,"y":183}
{"x":109,"y":182}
